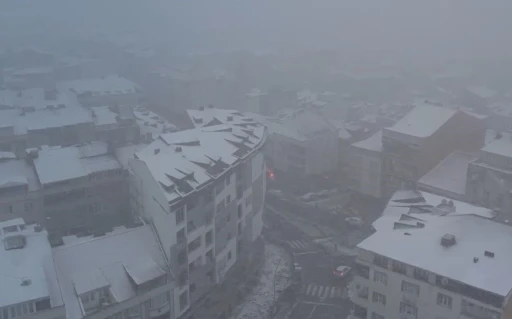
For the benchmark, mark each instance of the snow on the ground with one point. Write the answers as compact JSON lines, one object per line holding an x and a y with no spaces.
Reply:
{"x":259,"y":302}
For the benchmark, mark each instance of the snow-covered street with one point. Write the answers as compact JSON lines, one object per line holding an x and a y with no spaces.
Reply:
{"x":259,"y":302}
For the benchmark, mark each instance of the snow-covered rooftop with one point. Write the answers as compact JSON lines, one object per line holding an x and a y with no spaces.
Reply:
{"x":449,"y":175}
{"x":500,"y":146}
{"x":27,"y":272}
{"x":184,"y":161}
{"x":482,"y":91}
{"x":56,"y":164}
{"x":37,"y":98}
{"x":213,"y":116}
{"x":16,"y":172}
{"x":151,"y":123}
{"x":423,"y":120}
{"x":373,"y":143}
{"x":474,"y":235}
{"x":21,"y":122}
{"x":299,"y":124}
{"x":108,"y":85}
{"x":95,"y":262}
{"x":103,"y":115}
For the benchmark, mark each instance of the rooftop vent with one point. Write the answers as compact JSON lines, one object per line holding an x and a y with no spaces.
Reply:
{"x":201,"y":108}
{"x":489,"y":254}
{"x":26,"y":282}
{"x":198,"y":120}
{"x":14,"y":242}
{"x":38,"y":228}
{"x":448,"y":240}
{"x":230,"y":118}
{"x":475,"y":260}
{"x":157,"y":150}
{"x":210,"y":106}
{"x":178,"y":149}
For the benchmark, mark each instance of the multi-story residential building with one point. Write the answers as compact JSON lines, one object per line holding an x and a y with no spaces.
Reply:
{"x":70,"y":189}
{"x":116,"y":124}
{"x":489,"y":178}
{"x":30,"y":287}
{"x":364,"y":166}
{"x":108,"y":90}
{"x":423,"y":138}
{"x":448,"y":178}
{"x":120,"y":274}
{"x":27,"y":128}
{"x":37,"y":98}
{"x":203,"y":191}
{"x":433,"y":259}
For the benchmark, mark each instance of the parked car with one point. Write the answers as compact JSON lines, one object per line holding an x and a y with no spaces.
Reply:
{"x":342,"y":272}
{"x":354,"y":221}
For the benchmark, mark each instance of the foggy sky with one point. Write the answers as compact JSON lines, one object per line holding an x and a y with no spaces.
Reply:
{"x":403,"y":28}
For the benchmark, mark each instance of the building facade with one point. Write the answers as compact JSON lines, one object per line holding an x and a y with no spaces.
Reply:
{"x":489,"y":178}
{"x":422,"y":139}
{"x":417,"y":265}
{"x":364,"y":166}
{"x":203,"y":190}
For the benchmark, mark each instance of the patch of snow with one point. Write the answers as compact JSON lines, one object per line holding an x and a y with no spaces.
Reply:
{"x":260,"y":301}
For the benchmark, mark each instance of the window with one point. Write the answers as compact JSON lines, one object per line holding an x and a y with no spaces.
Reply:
{"x":444,"y":300}
{"x":240,"y":228}
{"x":28,"y":206}
{"x":183,"y":300}
{"x":228,"y":199}
{"x":228,"y":180}
{"x":379,"y":298}
{"x":208,"y":238}
{"x":248,"y":200}
{"x":381,"y":261}
{"x":240,"y":211}
{"x":410,"y":310}
{"x":181,"y":235}
{"x":410,"y":288}
{"x":379,"y":276}
{"x":421,"y":274}
{"x":399,"y":267}
{"x":192,"y":287}
{"x":229,"y":255}
{"x":134,"y":312}
{"x":180,"y":215}
{"x":377,"y":316}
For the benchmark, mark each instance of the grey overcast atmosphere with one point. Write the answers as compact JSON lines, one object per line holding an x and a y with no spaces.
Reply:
{"x":243,"y":159}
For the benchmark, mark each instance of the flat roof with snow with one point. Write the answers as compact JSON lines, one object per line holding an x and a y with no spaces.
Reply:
{"x":423,"y":120}
{"x":501,"y":146}
{"x":91,"y":263}
{"x":108,"y":85}
{"x":450,"y":174}
{"x":37,"y":98}
{"x":56,"y":164}
{"x":187,"y":160}
{"x":373,"y":143}
{"x":474,"y":235}
{"x":26,"y":272}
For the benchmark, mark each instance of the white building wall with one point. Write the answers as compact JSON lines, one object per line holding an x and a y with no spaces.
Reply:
{"x":223,"y":263}
{"x":258,"y":166}
{"x":366,"y":173}
{"x":426,"y":301}
{"x":154,"y":204}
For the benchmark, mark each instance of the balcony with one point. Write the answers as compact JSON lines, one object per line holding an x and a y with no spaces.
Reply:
{"x":157,"y":312}
{"x":409,"y":298}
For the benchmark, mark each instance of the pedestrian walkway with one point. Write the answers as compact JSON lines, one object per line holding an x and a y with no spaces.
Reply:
{"x":325,"y":292}
{"x":300,"y":244}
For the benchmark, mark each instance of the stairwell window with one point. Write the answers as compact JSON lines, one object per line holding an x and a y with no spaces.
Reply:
{"x":381,"y":277}
{"x":379,"y":298}
{"x":444,"y":300}
{"x":410,"y":288}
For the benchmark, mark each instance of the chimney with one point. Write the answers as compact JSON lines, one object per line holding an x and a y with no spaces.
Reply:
{"x":157,"y":150}
{"x":489,"y":254}
{"x":201,"y":108}
{"x":448,"y":240}
{"x":210,"y":106}
{"x":230,"y":118}
{"x":178,"y":149}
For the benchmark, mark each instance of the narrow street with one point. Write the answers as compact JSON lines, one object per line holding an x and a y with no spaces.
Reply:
{"x":321,"y":294}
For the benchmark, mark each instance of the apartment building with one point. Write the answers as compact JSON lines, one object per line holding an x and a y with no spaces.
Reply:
{"x":66,"y":189}
{"x":28,"y":277}
{"x":433,"y":258}
{"x":203,"y":191}
{"x":119,"y":275}
{"x":422,"y":139}
{"x":364,"y":166}
{"x":449,"y":177}
{"x":489,"y":178}
{"x":108,"y":90}
{"x":116,"y":124}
